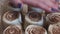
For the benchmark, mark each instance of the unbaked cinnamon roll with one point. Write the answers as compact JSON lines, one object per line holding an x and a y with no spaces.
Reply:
{"x":53,"y":18}
{"x":34,"y":29}
{"x":13,"y":29}
{"x":33,"y":17}
{"x":54,"y":29}
{"x":12,"y":17}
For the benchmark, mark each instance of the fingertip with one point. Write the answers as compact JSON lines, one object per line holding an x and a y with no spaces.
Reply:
{"x":19,"y":5}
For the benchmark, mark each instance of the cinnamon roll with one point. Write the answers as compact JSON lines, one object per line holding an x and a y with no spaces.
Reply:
{"x":54,"y":29}
{"x":53,"y":18}
{"x":33,"y":17}
{"x":12,"y":17}
{"x":34,"y":29}
{"x":13,"y":29}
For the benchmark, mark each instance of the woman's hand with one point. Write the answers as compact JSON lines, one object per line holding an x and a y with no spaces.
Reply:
{"x":49,"y":5}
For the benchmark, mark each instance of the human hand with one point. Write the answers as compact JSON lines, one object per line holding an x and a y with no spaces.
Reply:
{"x":49,"y":5}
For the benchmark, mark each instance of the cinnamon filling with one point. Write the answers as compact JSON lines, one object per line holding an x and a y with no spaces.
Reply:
{"x":12,"y":15}
{"x":56,"y":30}
{"x":35,"y":16}
{"x":36,"y":31}
{"x":55,"y":18}
{"x":13,"y":30}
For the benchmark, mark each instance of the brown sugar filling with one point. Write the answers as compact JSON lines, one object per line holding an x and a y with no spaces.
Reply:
{"x":36,"y":31}
{"x":12,"y":15}
{"x":13,"y":30}
{"x":55,"y":18}
{"x":56,"y":30}
{"x":35,"y":16}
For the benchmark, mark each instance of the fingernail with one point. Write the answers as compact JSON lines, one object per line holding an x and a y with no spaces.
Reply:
{"x":53,"y":9}
{"x":19,"y":5}
{"x":57,"y":0}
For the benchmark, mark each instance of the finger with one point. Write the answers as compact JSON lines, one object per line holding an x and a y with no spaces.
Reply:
{"x":40,"y":4}
{"x":48,"y":3}
{"x":17,"y":1}
{"x":31,"y":2}
{"x":47,"y":6}
{"x":55,"y":1}
{"x":43,"y":6}
{"x":51,"y":4}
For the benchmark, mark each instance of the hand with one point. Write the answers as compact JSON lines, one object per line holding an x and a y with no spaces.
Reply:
{"x":49,"y":5}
